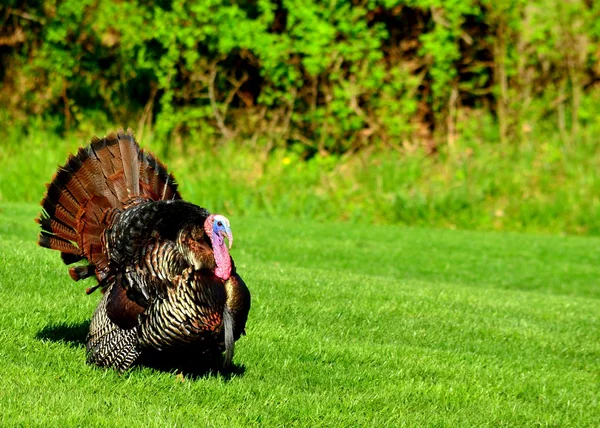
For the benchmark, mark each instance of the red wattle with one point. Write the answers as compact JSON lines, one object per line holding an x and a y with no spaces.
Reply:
{"x":222,"y":259}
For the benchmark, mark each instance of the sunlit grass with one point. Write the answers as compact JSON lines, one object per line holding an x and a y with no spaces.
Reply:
{"x":350,"y":326}
{"x":534,"y":188}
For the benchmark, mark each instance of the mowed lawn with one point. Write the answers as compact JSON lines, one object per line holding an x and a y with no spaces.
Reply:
{"x":350,"y":326}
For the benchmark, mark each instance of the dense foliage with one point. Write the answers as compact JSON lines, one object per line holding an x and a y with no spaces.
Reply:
{"x":458,"y":113}
{"x":533,"y":188}
{"x":326,"y":77}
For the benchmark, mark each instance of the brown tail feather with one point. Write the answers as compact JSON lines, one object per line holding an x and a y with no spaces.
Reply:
{"x":69,"y":259}
{"x":61,"y":230}
{"x":119,"y":186}
{"x":56,"y":195}
{"x":91,"y":173}
{"x":155,"y":181}
{"x":103,"y":155}
{"x":59,"y":213}
{"x":59,"y":244}
{"x":75,"y":183}
{"x":85,"y":194}
{"x":81,"y":272}
{"x":129,"y":151}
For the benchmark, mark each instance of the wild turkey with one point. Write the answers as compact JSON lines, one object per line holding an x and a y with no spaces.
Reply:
{"x":168,"y":280}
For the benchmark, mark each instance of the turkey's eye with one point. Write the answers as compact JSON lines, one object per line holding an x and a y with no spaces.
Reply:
{"x":220,"y":224}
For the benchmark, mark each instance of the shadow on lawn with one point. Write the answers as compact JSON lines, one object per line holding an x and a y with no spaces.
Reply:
{"x":72,"y":334}
{"x":189,"y":364}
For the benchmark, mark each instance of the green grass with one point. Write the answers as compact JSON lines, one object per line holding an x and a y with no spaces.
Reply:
{"x":541,"y":188}
{"x":350,"y":326}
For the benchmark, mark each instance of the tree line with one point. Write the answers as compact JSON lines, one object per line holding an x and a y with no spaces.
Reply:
{"x":326,"y":77}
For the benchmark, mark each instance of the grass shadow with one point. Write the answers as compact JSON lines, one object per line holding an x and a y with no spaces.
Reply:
{"x":72,"y":334}
{"x":190,"y":364}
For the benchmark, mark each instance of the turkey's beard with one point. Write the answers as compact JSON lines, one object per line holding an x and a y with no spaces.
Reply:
{"x":222,"y":259}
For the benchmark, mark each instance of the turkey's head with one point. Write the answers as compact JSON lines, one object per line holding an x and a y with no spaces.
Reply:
{"x":192,"y":244}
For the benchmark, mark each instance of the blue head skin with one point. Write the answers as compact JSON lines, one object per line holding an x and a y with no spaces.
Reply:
{"x":221,"y":229}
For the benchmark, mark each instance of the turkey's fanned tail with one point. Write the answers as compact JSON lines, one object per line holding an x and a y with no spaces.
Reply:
{"x":86,"y":193}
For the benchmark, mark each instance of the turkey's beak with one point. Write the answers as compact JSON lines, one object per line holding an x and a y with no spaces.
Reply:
{"x":229,"y":237}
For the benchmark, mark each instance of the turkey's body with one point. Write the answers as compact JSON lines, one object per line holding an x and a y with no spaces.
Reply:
{"x":167,"y":277}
